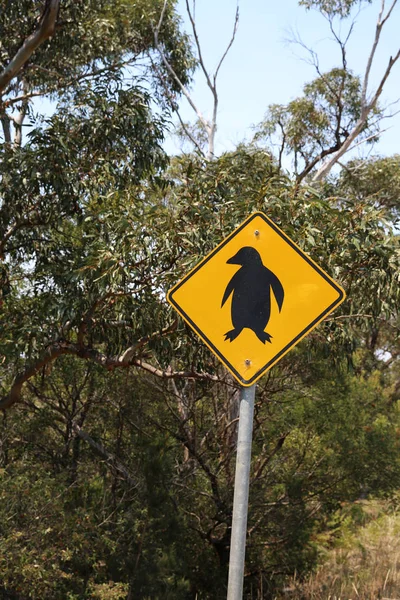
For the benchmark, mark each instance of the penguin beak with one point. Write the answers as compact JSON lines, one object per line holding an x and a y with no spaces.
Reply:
{"x":234,"y":260}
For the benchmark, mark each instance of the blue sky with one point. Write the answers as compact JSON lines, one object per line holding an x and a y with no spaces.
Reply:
{"x":264,"y":68}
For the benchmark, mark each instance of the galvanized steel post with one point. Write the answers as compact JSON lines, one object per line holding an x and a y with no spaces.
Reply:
{"x":241,"y":494}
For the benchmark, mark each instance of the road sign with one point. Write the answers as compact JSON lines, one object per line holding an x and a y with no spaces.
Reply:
{"x":254,"y":297}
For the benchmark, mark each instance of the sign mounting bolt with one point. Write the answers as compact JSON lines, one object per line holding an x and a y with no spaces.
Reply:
{"x":247,"y":362}
{"x":256,"y":233}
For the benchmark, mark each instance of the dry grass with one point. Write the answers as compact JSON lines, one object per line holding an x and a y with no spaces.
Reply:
{"x":364,"y":566}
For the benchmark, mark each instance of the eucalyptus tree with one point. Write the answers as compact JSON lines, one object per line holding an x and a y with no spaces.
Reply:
{"x":339,"y":109}
{"x":49,"y":47}
{"x":95,"y":227}
{"x":102,"y":369}
{"x":202,"y":134}
{"x":101,"y":135}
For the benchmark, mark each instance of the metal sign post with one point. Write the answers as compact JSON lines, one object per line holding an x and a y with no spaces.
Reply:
{"x":251,"y":300}
{"x":241,"y":494}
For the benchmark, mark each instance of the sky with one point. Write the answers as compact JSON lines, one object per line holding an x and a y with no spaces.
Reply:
{"x":263,"y":67}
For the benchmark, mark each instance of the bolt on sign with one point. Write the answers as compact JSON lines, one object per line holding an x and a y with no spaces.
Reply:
{"x":254,"y":297}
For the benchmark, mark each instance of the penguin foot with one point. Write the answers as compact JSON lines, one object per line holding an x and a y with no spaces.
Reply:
{"x":263,"y":336}
{"x":232,"y":334}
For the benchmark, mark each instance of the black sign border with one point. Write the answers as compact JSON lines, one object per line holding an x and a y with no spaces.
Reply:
{"x":270,"y":363}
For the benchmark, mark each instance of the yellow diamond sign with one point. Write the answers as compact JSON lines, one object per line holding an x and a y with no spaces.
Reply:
{"x":254,"y":297}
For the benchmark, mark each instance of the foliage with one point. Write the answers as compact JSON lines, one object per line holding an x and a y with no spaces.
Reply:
{"x":362,"y":559}
{"x":90,"y":36}
{"x":317,"y":123}
{"x":156,"y":456}
{"x":376,"y":178}
{"x":76,"y":529}
{"x":117,"y":453}
{"x":73,"y":524}
{"x":55,"y":207}
{"x":341,"y":8}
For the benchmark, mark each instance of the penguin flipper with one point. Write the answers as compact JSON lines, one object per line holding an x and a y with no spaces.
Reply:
{"x":229,"y":289}
{"x":278,"y":290}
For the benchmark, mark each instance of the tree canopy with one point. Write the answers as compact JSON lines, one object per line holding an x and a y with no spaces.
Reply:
{"x":118,"y":430}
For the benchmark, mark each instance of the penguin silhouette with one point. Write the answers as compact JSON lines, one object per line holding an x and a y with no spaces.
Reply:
{"x":251,"y":301}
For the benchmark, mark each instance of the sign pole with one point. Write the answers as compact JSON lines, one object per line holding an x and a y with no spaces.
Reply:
{"x":241,"y":494}
{"x":229,"y":291}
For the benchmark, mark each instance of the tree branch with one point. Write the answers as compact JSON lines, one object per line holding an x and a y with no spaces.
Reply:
{"x":310,"y":165}
{"x":130,"y":352}
{"x":189,"y":135}
{"x":50,"y":354}
{"x":44,"y":31}
{"x":209,"y":126}
{"x":172,"y":72}
{"x":22,"y":97}
{"x":170,"y":96}
{"x":169,"y":374}
{"x":19,"y":119}
{"x":108,"y":456}
{"x":123,"y":360}
{"x":367,"y":106}
{"x":378,"y":92}
{"x":198,"y":46}
{"x":235,"y":28}
{"x":263,"y":463}
{"x":379,"y":25}
{"x":5,"y":121}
